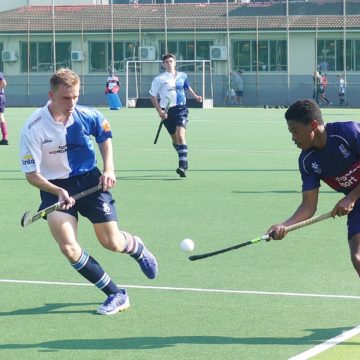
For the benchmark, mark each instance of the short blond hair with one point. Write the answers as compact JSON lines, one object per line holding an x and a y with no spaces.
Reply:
{"x":64,"y":77}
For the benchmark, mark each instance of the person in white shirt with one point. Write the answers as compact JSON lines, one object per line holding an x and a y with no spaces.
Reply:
{"x":342,"y":89}
{"x":172,"y":84}
{"x":58,"y":157}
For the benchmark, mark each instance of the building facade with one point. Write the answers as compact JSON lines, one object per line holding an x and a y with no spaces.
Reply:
{"x":278,"y":46}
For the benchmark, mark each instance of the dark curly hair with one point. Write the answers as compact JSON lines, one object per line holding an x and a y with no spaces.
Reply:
{"x":304,"y":111}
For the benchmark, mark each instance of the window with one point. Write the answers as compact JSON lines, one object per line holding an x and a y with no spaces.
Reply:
{"x":101,"y":55}
{"x":264,"y":55}
{"x":186,"y":50}
{"x":356,"y":55}
{"x":330,"y":55}
{"x":41,"y":56}
{"x":326,"y":56}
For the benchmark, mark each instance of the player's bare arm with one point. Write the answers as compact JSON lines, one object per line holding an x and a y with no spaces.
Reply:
{"x":108,"y":177}
{"x":346,"y":204}
{"x":161,"y":112}
{"x":37,"y":180}
{"x":305,"y":211}
{"x":195,"y":96}
{"x":3,"y":84}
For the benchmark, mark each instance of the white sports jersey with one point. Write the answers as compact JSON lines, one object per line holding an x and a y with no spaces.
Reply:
{"x":167,"y":85}
{"x":342,"y":86}
{"x":59,"y":151}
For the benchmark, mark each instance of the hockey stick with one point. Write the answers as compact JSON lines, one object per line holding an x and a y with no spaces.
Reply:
{"x":162,"y":121}
{"x":28,"y":219}
{"x":266,"y":237}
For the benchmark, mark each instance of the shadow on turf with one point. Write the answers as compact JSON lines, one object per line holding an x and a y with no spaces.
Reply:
{"x":209,"y":170}
{"x":146,"y":177}
{"x":55,"y":308}
{"x":315,"y":337}
{"x":278,"y":192}
{"x":158,"y":177}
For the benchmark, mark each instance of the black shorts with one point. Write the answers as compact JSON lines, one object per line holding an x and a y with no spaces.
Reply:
{"x":177,"y":116}
{"x":98,"y":207}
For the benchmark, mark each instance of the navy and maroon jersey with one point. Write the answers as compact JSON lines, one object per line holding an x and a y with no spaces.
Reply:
{"x":338,"y":163}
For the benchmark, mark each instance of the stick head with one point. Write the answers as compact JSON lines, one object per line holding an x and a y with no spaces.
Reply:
{"x":25,"y":218}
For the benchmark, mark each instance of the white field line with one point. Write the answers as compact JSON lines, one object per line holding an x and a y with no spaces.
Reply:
{"x":170,"y":288}
{"x":327,"y":344}
{"x":285,"y":152}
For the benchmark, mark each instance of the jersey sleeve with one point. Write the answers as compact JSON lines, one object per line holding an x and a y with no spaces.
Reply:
{"x":30,"y":151}
{"x":186,"y":83}
{"x":352,"y":135}
{"x":102,"y":128}
{"x":155,"y":87}
{"x":310,"y":181}
{"x":95,"y":123}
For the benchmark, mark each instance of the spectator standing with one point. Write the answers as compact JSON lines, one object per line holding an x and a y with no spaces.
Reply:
{"x":317,"y":86}
{"x":237,"y":84}
{"x":323,"y":86}
{"x":3,"y":124}
{"x":342,"y":89}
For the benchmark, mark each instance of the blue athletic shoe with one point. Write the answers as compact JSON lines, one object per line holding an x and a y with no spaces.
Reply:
{"x":147,"y":261}
{"x":114,"y":303}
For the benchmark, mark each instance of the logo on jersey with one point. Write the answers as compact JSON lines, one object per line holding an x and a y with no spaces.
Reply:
{"x":347,"y":180}
{"x":62,"y":149}
{"x":344,"y":152}
{"x":27,"y":160}
{"x":34,"y":122}
{"x":106,"y":208}
{"x":105,"y":125}
{"x":46,"y":141}
{"x":316,"y":168}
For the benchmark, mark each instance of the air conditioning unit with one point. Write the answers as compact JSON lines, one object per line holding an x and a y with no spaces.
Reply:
{"x":9,"y":55}
{"x":218,"y":53}
{"x":77,"y":56}
{"x":147,"y":53}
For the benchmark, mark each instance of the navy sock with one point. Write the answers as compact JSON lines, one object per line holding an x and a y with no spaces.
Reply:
{"x":183,"y":152}
{"x":91,"y":270}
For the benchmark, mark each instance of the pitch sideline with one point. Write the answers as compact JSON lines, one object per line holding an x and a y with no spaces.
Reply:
{"x":169,"y":288}
{"x":316,"y":350}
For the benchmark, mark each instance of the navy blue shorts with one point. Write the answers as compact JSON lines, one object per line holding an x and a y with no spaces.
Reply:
{"x":177,"y":116}
{"x":353,"y":220}
{"x":98,"y":207}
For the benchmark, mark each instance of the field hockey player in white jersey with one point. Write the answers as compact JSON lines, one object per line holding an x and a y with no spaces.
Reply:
{"x":172,"y":84}
{"x":58,"y":157}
